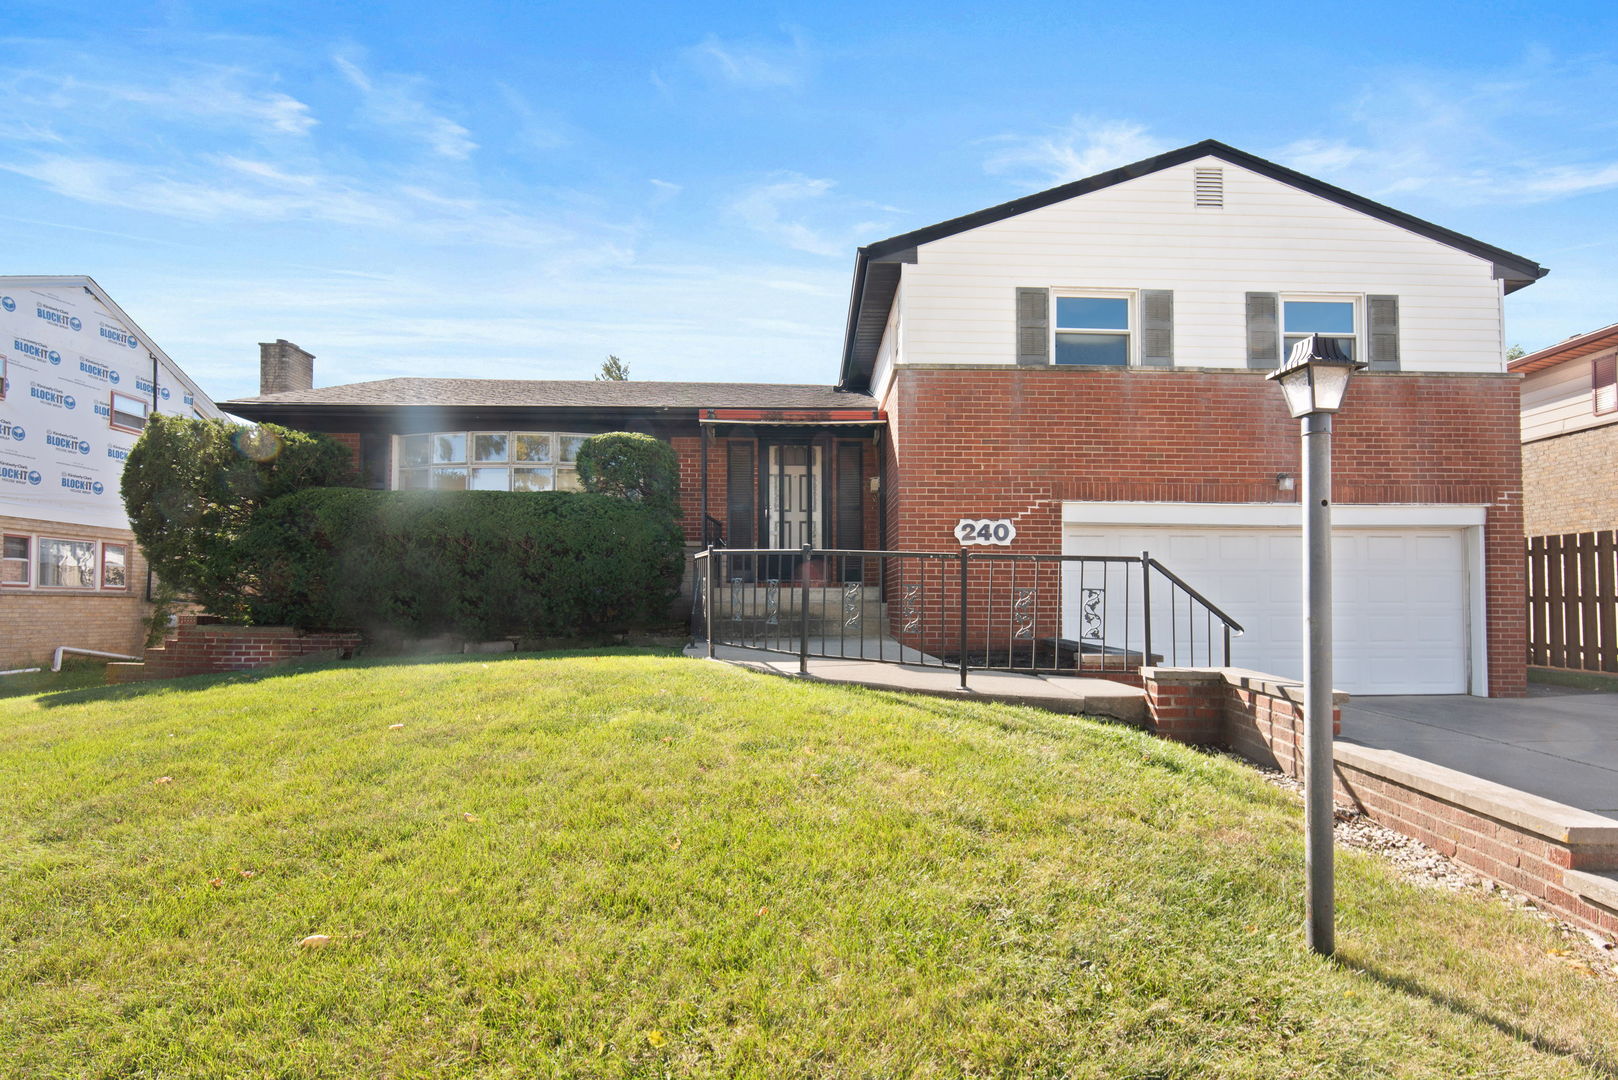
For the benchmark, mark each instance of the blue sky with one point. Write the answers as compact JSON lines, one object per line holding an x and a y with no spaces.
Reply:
{"x":516,"y":190}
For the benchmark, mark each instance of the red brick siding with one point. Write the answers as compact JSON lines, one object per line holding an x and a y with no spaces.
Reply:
{"x":1018,"y":442}
{"x":201,"y":648}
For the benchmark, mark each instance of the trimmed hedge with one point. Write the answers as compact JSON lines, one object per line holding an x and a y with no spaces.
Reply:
{"x":481,"y":564}
{"x":191,"y":488}
{"x":632,"y":466}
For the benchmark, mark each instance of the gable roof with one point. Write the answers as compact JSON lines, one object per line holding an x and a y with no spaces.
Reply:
{"x":89,"y":285}
{"x":1575,"y":347}
{"x":876,"y":266}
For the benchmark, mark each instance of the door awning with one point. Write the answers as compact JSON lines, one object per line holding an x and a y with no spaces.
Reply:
{"x":796,"y":417}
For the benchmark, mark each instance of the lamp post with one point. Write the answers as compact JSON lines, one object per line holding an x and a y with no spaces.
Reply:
{"x":1314,"y":380}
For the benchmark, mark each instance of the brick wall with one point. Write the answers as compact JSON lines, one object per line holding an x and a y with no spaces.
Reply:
{"x":1570,"y":482}
{"x":1018,"y":442}
{"x":199,"y":646}
{"x":34,"y":622}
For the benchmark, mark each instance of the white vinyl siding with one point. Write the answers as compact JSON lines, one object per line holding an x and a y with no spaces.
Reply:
{"x":1560,"y":399}
{"x":1147,"y":234}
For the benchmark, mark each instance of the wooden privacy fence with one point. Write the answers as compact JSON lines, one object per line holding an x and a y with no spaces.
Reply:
{"x":1572,"y":609}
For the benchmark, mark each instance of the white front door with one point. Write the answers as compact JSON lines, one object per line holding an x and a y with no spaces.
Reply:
{"x":793,"y":516}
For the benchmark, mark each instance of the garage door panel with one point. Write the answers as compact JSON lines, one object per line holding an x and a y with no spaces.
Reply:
{"x":1400,"y":597}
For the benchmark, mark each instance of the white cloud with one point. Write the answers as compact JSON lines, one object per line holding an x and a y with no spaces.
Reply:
{"x":219,"y":96}
{"x":777,"y":209}
{"x":1083,"y":147}
{"x":752,"y":65}
{"x":1469,"y":140}
{"x":399,"y":102}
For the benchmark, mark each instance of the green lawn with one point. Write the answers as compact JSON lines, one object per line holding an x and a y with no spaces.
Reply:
{"x":638,"y":865}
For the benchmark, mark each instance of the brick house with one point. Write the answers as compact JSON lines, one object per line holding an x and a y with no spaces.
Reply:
{"x":78,"y":379}
{"x":1570,"y":434}
{"x":1085,"y":365}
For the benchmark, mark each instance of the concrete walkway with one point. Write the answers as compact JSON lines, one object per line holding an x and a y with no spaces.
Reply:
{"x":1057,"y":693}
{"x":1558,"y":743}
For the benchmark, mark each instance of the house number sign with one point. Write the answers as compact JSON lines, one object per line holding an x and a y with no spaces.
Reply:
{"x":974,"y":531}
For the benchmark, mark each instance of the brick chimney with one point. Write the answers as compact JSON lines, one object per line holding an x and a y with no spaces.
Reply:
{"x":284,"y":366}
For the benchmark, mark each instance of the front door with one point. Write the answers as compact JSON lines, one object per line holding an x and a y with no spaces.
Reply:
{"x":792,"y":506}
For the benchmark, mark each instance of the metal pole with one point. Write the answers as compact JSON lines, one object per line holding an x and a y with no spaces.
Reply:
{"x":1317,"y":676}
{"x":803,"y":612}
{"x":1146,"y":609}
{"x":709,"y":569}
{"x":962,"y":639}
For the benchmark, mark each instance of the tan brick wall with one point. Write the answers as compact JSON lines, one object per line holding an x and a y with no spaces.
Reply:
{"x":1570,"y":482}
{"x":34,"y":622}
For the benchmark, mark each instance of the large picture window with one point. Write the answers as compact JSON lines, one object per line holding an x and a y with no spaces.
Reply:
{"x":490,"y":461}
{"x":67,"y":564}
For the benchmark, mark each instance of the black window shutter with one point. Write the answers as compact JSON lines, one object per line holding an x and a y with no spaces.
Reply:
{"x":1263,"y":330}
{"x":1382,"y":326}
{"x":1033,"y":327}
{"x":850,"y":501}
{"x":741,"y":487}
{"x":1157,"y":328}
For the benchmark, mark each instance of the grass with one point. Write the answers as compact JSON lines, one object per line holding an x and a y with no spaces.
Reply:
{"x":674,"y":868}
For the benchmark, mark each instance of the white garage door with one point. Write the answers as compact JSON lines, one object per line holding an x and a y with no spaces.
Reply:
{"x":1400,"y":622}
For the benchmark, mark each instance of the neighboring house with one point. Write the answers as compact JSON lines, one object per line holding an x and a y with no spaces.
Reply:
{"x":78,"y":379}
{"x":1570,"y":434}
{"x":1087,"y":363}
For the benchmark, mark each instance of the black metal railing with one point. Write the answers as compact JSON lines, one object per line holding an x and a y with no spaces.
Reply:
{"x":961,"y":610}
{"x":713,"y":532}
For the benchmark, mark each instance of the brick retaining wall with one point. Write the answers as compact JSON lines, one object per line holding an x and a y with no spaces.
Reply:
{"x":199,"y":646}
{"x":1561,"y":856}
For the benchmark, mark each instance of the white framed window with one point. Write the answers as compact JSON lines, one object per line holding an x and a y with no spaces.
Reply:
{"x":129,"y":413}
{"x":1334,"y":317}
{"x":489,"y":461}
{"x":114,"y":565}
{"x":1604,"y":383}
{"x":66,"y":564}
{"x":5,"y":376}
{"x":16,"y":560}
{"x":1093,"y":328}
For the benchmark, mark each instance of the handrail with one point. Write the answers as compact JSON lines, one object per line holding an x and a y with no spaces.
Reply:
{"x":786,"y":600}
{"x":1195,"y":595}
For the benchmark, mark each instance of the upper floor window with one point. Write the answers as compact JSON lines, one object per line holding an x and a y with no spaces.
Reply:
{"x":490,"y":461}
{"x":1330,"y":318}
{"x":1093,"y":330}
{"x":1604,"y":383}
{"x":128,"y":413}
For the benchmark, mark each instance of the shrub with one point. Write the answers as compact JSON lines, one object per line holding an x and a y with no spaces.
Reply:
{"x":191,"y":487}
{"x":480,"y":564}
{"x":631,"y":466}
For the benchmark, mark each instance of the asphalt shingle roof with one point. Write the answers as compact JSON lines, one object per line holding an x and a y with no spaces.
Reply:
{"x":559,"y":393}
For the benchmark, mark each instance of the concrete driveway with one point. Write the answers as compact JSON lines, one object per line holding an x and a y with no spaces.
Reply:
{"x":1557,"y":742}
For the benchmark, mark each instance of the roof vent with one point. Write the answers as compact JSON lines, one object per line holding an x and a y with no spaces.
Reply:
{"x":1209,"y":187}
